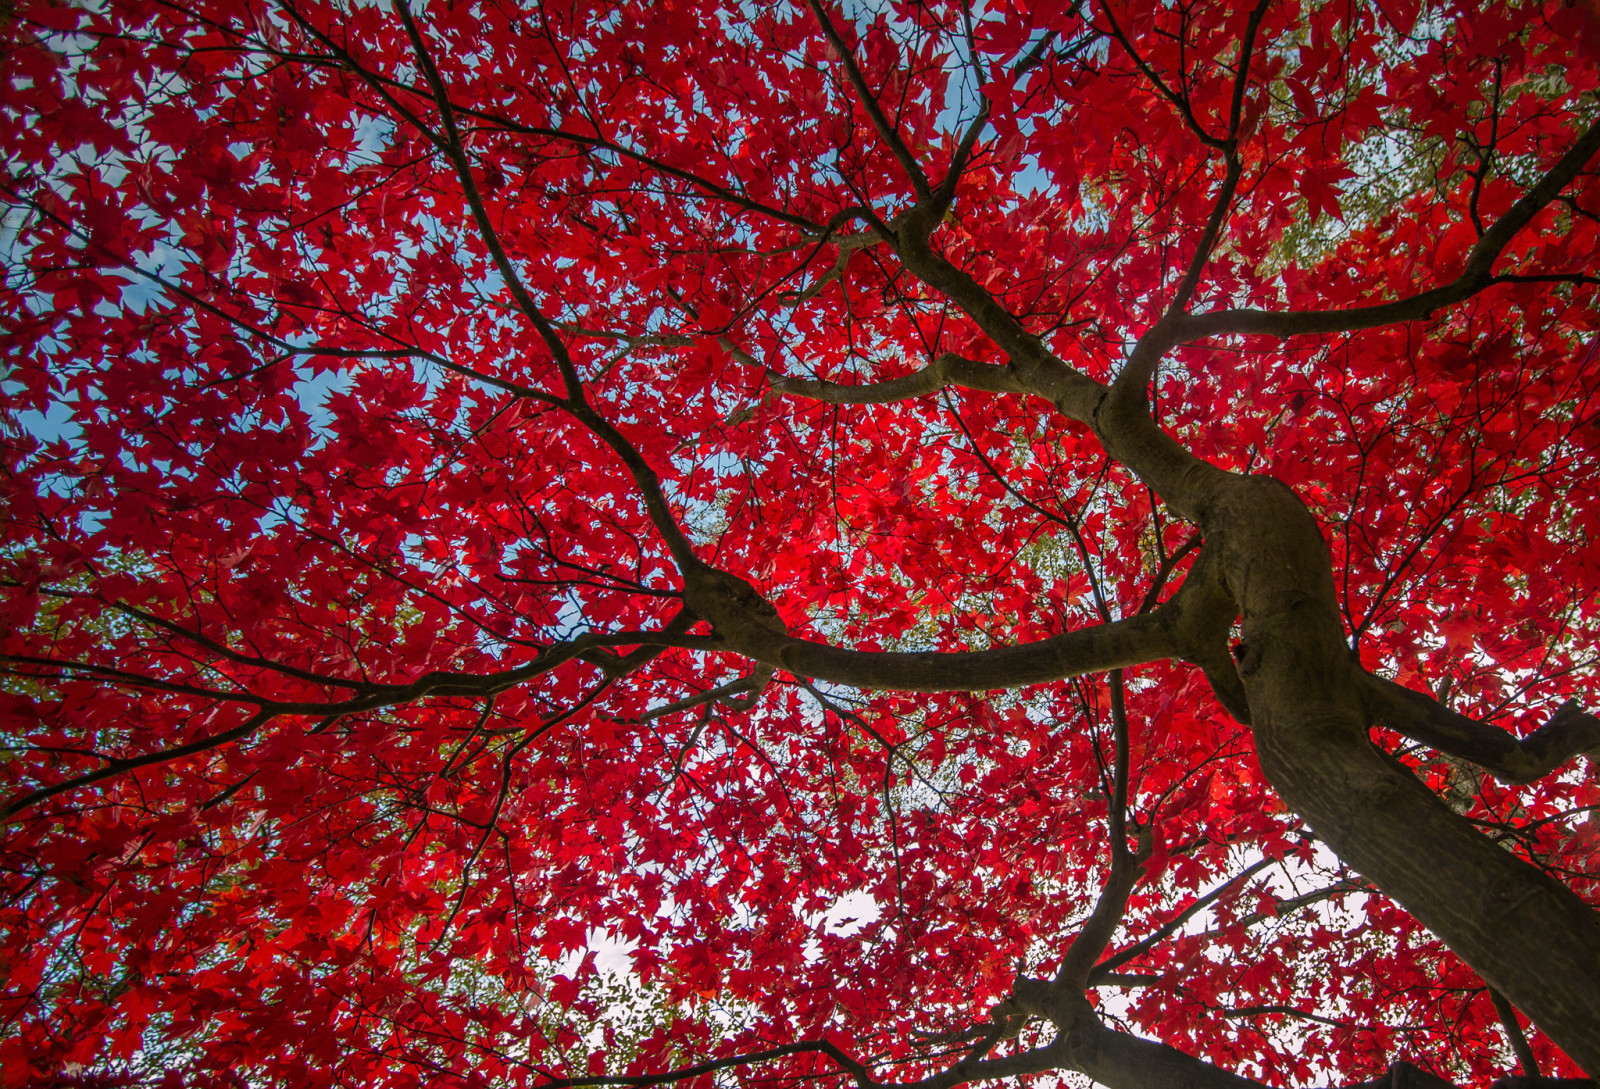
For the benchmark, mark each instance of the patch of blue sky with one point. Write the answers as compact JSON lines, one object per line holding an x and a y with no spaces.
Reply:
{"x":55,"y":424}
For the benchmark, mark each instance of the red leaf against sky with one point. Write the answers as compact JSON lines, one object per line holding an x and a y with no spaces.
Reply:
{"x":889,"y":543}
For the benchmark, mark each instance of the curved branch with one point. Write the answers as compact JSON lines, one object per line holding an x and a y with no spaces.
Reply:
{"x":1102,"y":647}
{"x":739,"y":694}
{"x":217,"y":647}
{"x":1123,"y":421}
{"x":745,"y":623}
{"x":1035,"y":368}
{"x":1477,"y":275}
{"x":1115,"y":1059}
{"x":1570,"y":732}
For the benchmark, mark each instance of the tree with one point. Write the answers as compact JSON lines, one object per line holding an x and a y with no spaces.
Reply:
{"x":602,"y":544}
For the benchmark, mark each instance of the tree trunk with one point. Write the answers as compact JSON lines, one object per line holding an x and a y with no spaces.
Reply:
{"x":1525,"y":933}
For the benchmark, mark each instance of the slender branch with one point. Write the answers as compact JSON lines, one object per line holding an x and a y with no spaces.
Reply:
{"x":711,"y":189}
{"x":869,"y":101}
{"x":1208,"y":241}
{"x":339,"y":58}
{"x":32,"y":798}
{"x":1486,"y":153}
{"x":648,"y":482}
{"x":1474,"y":277}
{"x":1547,"y":278}
{"x":451,"y":147}
{"x":1179,"y":103}
{"x":1235,"y":169}
{"x":42,"y":668}
{"x":1287,"y":1011}
{"x":740,"y":694}
{"x":752,"y":1058}
{"x":1102,"y":971}
{"x":436,"y":683}
{"x":220,"y":649}
{"x":287,"y":347}
{"x":945,"y":195}
{"x":1035,"y":56}
{"x":1527,"y":1062}
{"x":1112,"y":904}
{"x":1035,"y":1061}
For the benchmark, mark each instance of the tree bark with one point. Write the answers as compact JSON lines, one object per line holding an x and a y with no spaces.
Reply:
{"x":1529,"y":936}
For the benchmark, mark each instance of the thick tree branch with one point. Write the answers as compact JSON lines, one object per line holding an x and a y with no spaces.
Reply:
{"x":1088,"y":650}
{"x":744,"y":622}
{"x":1570,"y":732}
{"x":1119,"y":1060}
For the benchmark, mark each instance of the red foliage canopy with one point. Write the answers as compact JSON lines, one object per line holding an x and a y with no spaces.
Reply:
{"x":485,"y":484}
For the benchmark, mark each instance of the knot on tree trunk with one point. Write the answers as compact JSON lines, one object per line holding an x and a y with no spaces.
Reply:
{"x":1029,"y":999}
{"x":734,"y":608}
